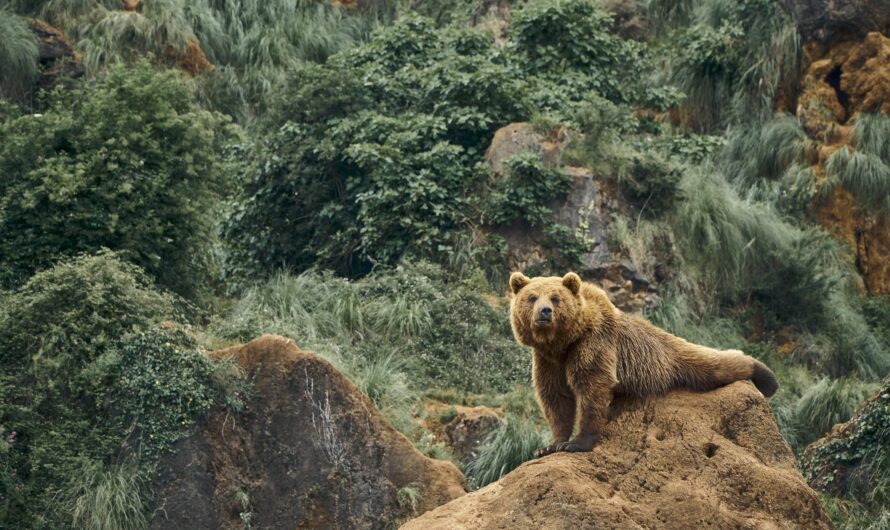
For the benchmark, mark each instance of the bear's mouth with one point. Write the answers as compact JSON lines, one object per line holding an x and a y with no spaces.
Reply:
{"x":543,"y":321}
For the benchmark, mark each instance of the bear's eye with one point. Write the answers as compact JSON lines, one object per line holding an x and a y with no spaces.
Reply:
{"x":554,"y":299}
{"x":532,"y":298}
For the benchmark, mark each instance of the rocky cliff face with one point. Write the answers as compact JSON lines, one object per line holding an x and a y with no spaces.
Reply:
{"x":825,"y":20}
{"x":309,"y":451}
{"x":848,"y":74}
{"x":689,"y":460}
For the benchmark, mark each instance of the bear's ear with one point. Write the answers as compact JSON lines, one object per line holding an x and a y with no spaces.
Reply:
{"x":518,"y":281}
{"x":572,"y":282}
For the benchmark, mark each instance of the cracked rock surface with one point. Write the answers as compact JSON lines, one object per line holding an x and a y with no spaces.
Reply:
{"x":687,"y":460}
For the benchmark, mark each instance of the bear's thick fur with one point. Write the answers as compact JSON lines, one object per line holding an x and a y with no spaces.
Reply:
{"x":586,"y":351}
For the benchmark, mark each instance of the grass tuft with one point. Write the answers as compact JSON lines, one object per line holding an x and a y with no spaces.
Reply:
{"x":504,"y":449}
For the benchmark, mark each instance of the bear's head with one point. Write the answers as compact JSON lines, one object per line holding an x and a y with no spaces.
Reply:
{"x":545,"y":310}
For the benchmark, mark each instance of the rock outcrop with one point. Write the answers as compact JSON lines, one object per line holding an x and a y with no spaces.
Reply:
{"x":587,"y":209}
{"x":826,"y":20}
{"x":56,"y":56}
{"x":843,"y":80}
{"x":466,"y":432}
{"x":309,"y":451}
{"x":688,"y":460}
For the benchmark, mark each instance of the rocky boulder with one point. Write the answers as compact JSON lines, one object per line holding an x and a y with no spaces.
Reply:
{"x":309,"y":451}
{"x":58,"y":60}
{"x":688,"y":460}
{"x":466,"y":432}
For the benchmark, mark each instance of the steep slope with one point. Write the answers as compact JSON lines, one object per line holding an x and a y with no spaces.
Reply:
{"x":689,"y":460}
{"x":309,"y":451}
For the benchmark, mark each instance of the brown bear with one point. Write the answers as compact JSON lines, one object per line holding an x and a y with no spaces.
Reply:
{"x":587,"y":351}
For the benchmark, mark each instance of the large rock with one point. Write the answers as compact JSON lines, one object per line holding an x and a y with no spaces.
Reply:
{"x":58,"y":60}
{"x":466,"y":432}
{"x":309,"y":451}
{"x":827,"y":20}
{"x":688,"y":460}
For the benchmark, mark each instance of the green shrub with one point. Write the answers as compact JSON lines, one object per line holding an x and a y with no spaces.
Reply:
{"x":87,"y":380}
{"x":526,"y":189}
{"x":733,"y":59}
{"x":504,"y":449}
{"x":128,"y":163}
{"x":372,"y":157}
{"x":66,"y":318}
{"x":573,"y":42}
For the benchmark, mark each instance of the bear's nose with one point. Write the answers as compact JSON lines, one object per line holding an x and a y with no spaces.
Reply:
{"x":547,"y":311}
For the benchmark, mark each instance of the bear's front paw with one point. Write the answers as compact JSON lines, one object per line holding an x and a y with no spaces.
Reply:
{"x":576,"y":445}
{"x":544,"y":451}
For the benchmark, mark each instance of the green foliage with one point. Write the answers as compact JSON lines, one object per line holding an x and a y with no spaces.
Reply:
{"x":764,"y":152}
{"x":389,"y":323}
{"x":66,"y":318}
{"x":572,"y":43}
{"x":828,"y":402}
{"x":128,"y":163}
{"x":526,"y":188}
{"x":504,"y":449}
{"x":733,"y":59}
{"x":856,"y":462}
{"x":82,"y":385}
{"x":18,"y":56}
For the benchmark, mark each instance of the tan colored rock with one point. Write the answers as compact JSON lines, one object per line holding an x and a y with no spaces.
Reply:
{"x":466,"y":432}
{"x":688,"y":460}
{"x":309,"y":451}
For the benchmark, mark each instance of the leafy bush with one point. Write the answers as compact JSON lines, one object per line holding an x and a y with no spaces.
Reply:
{"x":128,"y":163}
{"x":526,"y":188}
{"x":504,"y":449}
{"x":86,"y":380}
{"x":572,"y":42}
{"x":371,"y":157}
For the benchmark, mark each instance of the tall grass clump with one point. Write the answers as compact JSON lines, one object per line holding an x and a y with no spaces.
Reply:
{"x":828,"y":402}
{"x":864,"y":174}
{"x":504,"y":449}
{"x":102,"y":497}
{"x":18,"y":56}
{"x":764,"y":152}
{"x":732,"y":241}
{"x":871,"y":134}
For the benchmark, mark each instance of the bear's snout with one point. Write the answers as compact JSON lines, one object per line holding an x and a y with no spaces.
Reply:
{"x":544,"y":316}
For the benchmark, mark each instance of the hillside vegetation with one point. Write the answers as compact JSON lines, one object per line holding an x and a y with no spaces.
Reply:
{"x":317,"y":170}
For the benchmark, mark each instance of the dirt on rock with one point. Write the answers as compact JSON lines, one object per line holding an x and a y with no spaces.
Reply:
{"x":688,"y":460}
{"x":310,"y":450}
